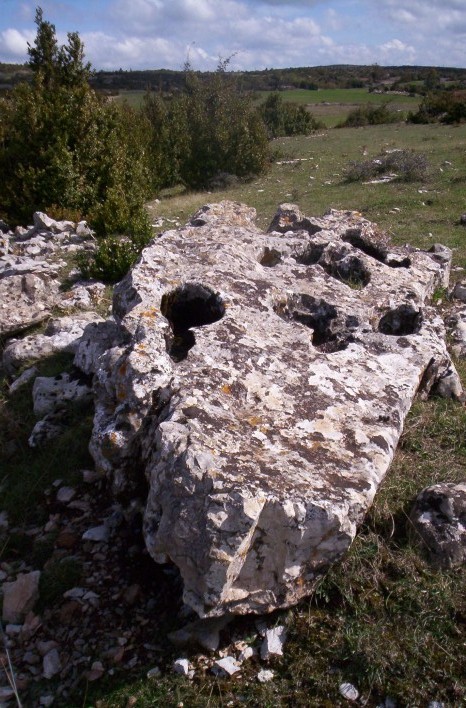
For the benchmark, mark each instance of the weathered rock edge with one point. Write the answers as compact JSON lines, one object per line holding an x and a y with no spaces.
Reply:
{"x":264,"y":434}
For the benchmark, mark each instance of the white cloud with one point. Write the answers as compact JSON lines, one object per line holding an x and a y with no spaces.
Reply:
{"x":273,"y":33}
{"x":13,"y":44}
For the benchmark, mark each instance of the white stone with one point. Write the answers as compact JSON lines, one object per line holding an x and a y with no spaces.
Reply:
{"x":245,"y":654}
{"x":99,"y":534}
{"x":348,"y":691}
{"x":228,"y":666}
{"x":27,"y":376}
{"x":51,"y":664}
{"x":265,"y":675}
{"x":66,"y":494}
{"x":273,"y":642}
{"x":182,"y":666}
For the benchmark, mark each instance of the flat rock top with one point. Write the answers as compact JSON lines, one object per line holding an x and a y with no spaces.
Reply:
{"x":272,"y":372}
{"x":290,"y":370}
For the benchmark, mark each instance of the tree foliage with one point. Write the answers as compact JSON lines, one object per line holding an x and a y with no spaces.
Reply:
{"x":210,"y":128}
{"x":63,"y":146}
{"x":441,"y":107}
{"x":369,"y":114}
{"x":283,"y":118}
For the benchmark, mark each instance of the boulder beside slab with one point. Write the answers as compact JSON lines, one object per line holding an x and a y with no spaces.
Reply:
{"x":259,"y":389}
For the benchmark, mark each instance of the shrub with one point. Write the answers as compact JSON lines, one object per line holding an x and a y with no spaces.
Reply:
{"x":209,"y":129}
{"x":285,"y":119}
{"x":62,"y":145}
{"x":441,"y":106}
{"x":408,"y":166}
{"x":369,"y":115}
{"x":112,"y":258}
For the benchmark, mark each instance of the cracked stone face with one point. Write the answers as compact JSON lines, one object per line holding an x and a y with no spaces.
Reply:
{"x":260,"y":391}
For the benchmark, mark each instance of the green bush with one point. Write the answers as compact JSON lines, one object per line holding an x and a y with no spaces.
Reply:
{"x":210,"y":128}
{"x":63,"y":145}
{"x":112,"y":258}
{"x":441,"y":106}
{"x":285,"y":119}
{"x":369,"y":115}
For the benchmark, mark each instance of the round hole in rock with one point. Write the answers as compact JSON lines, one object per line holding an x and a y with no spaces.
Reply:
{"x":322,"y":317}
{"x":190,"y":305}
{"x":270,"y":257}
{"x":370,"y":248}
{"x":311,"y":254}
{"x":351,"y":271}
{"x":402,"y":321}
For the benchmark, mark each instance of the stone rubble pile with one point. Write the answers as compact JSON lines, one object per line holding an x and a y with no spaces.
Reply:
{"x":30,"y":264}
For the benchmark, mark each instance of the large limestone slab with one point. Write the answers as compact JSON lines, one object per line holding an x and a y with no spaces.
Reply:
{"x":262,"y":394}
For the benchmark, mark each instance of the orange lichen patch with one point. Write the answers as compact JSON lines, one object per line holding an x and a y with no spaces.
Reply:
{"x":226,"y":388}
{"x":254,"y":420}
{"x":121,"y":394}
{"x":122,"y":370}
{"x":150,"y":314}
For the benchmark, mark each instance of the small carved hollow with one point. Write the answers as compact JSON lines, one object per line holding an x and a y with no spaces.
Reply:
{"x":374,"y":250}
{"x":311,"y":254}
{"x":270,"y":257}
{"x":190,"y":305}
{"x":329,"y":334}
{"x":402,"y":321}
{"x":350,"y":270}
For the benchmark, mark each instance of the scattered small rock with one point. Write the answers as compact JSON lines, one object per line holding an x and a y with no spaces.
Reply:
{"x":348,"y":691}
{"x":228,"y":666}
{"x":20,"y":596}
{"x":273,"y":642}
{"x":65,"y":494}
{"x":51,"y":664}
{"x":265,"y":675}
{"x":246,"y":653}
{"x":154,"y":673}
{"x":98,"y":534}
{"x":182,"y":667}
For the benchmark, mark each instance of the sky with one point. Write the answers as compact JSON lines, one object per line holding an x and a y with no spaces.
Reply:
{"x":154,"y":34}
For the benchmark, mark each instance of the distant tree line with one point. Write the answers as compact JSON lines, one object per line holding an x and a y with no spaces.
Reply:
{"x":414,"y":79}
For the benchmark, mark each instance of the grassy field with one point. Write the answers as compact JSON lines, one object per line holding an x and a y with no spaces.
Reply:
{"x":382,"y":619}
{"x":330,"y":106}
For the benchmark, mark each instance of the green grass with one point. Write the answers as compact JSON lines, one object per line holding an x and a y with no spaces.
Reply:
{"x":332,"y":106}
{"x":316,"y":183}
{"x":346,"y":96}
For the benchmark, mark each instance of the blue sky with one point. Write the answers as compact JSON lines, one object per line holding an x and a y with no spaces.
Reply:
{"x":260,"y":33}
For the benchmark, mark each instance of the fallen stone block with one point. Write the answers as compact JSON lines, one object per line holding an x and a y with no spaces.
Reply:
{"x":262,"y":389}
{"x":439,"y":520}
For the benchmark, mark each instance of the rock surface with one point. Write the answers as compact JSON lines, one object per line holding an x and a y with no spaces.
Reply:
{"x":62,"y":334}
{"x":263,"y":392}
{"x":30,"y":267}
{"x":20,"y":596}
{"x":439,"y":517}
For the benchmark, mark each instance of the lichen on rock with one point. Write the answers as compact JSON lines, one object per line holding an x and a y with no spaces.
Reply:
{"x":257,"y":390}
